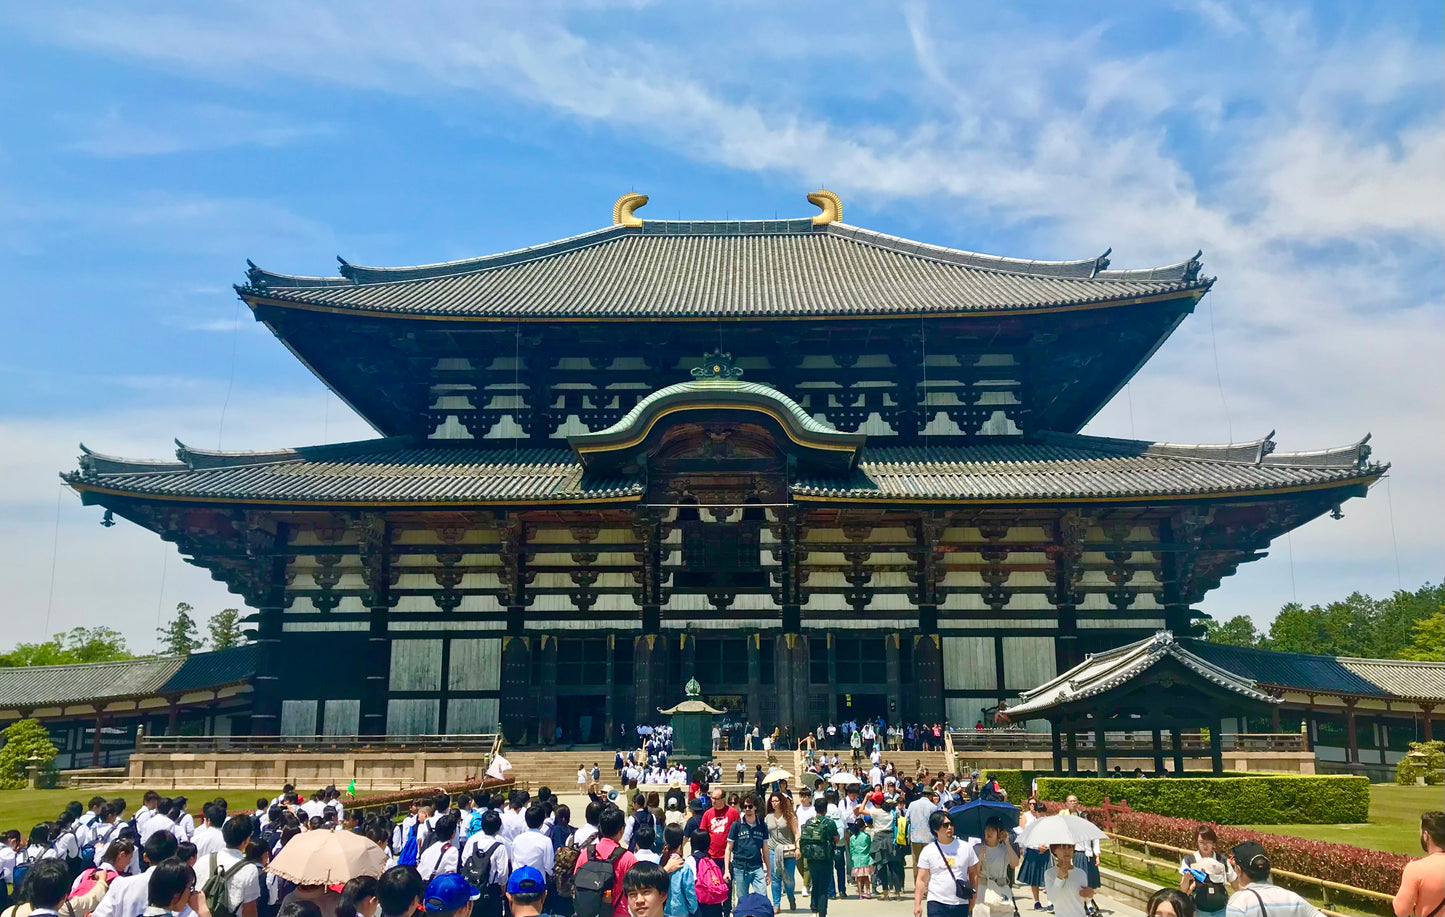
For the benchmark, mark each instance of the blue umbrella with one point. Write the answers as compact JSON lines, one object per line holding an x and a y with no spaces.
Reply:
{"x":969,"y":818}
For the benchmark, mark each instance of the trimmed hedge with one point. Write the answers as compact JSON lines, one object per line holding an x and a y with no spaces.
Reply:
{"x":1349,"y":865}
{"x":1270,"y":800}
{"x":1014,"y":782}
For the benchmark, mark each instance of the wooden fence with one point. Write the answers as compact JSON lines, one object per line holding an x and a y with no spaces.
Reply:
{"x":1150,"y":863}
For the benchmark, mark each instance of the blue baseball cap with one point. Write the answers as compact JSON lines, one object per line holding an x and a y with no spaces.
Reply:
{"x":526,"y":880}
{"x":448,"y":891}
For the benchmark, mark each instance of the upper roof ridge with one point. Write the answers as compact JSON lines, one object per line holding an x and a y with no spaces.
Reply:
{"x":1095,"y":268}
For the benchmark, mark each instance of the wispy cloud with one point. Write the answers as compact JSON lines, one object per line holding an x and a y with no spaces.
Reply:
{"x":161,"y":130}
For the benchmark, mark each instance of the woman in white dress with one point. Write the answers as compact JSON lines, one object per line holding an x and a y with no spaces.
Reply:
{"x":995,"y":856}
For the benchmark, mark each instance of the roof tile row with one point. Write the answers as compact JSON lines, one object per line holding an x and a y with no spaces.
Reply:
{"x":696,"y":269}
{"x":380,"y":470}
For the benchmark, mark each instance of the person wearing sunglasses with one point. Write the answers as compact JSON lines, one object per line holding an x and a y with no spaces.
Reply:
{"x":747,"y":867}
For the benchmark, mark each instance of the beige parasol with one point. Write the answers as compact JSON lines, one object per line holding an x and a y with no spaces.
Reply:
{"x":323,"y":857}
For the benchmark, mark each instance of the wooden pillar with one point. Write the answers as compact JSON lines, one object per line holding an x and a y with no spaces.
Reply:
{"x":1158,"y":751}
{"x":1425,"y":712}
{"x":547,"y":690}
{"x":95,"y":739}
{"x":1352,"y":741}
{"x":516,"y":712}
{"x":1274,"y":718}
{"x":1073,"y":745}
{"x":928,"y":674}
{"x":827,"y":646}
{"x":373,"y":545}
{"x":269,"y":600}
{"x":609,"y":710}
{"x":1176,"y":742}
{"x":755,"y":694}
{"x":1216,"y":747}
{"x":893,"y":674}
{"x":1101,"y":754}
{"x":173,"y":715}
{"x":1056,"y":742}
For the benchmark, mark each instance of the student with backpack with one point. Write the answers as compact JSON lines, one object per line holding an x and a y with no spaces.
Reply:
{"x":230,"y":882}
{"x":682,"y":880}
{"x":710,"y":889}
{"x":440,"y":854}
{"x":816,"y":841}
{"x":91,"y":886}
{"x":486,"y":863}
{"x":1205,"y":875}
{"x":601,"y":866}
{"x":640,"y":816}
{"x":46,"y":885}
{"x":38,"y":848}
{"x":127,"y":895}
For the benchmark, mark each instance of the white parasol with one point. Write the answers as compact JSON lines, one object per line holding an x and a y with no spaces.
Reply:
{"x":1060,"y":829}
{"x":776,"y":774}
{"x":843,"y":778}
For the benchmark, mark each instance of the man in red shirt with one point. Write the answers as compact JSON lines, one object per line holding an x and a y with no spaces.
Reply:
{"x":718,"y":821}
{"x":610,"y":825}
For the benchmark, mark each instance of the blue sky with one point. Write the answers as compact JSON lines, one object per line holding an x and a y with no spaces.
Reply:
{"x":148,"y":149}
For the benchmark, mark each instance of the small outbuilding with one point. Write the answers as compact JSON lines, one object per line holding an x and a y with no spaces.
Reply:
{"x":1149,"y":687}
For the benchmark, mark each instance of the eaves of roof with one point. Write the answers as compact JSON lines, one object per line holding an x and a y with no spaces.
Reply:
{"x":698,"y":270}
{"x":392,"y":473}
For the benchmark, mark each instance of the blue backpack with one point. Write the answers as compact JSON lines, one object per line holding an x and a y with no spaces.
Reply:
{"x":20,"y":871}
{"x":409,"y":851}
{"x":474,"y":824}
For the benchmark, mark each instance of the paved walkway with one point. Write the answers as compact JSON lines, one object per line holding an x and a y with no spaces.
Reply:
{"x":875,"y":907}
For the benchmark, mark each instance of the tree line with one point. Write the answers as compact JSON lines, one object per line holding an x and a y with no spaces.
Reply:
{"x":178,"y":637}
{"x":1406,"y":625}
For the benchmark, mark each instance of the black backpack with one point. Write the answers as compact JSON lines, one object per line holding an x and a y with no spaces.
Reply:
{"x":643,"y":817}
{"x":595,"y":883}
{"x":1208,"y":896}
{"x":478,"y":871}
{"x":76,"y":864}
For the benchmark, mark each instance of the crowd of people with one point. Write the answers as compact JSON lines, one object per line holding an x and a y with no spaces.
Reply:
{"x":696,"y":850}
{"x":741,"y":734}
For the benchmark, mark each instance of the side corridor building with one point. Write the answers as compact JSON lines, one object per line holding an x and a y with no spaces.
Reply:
{"x":826,"y":471}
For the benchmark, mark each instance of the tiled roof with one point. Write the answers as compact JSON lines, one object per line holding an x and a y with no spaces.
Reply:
{"x":393,"y":471}
{"x":1414,"y":679}
{"x":209,"y":670}
{"x":372,"y":471}
{"x":1323,"y":673}
{"x":1062,"y":466}
{"x":1101,"y":672}
{"x":52,"y":685}
{"x":705,"y":269}
{"x":1384,"y":678}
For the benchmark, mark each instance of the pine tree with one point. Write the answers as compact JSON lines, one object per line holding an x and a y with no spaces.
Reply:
{"x":178,"y":638}
{"x":23,"y":740}
{"x":225,"y":628}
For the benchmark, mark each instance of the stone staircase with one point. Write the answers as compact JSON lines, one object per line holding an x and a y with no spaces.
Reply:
{"x":557,"y":769}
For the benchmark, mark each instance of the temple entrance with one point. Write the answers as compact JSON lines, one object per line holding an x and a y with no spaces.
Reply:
{"x":580,"y":717}
{"x":862,"y":707}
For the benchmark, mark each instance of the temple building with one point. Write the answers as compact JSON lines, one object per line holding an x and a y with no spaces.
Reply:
{"x":825,"y":471}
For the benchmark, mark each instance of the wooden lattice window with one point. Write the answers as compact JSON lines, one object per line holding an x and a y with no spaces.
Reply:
{"x":722,"y":547}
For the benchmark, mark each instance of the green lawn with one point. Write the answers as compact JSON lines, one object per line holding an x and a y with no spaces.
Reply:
{"x":23,"y":809}
{"x":1394,"y":823}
